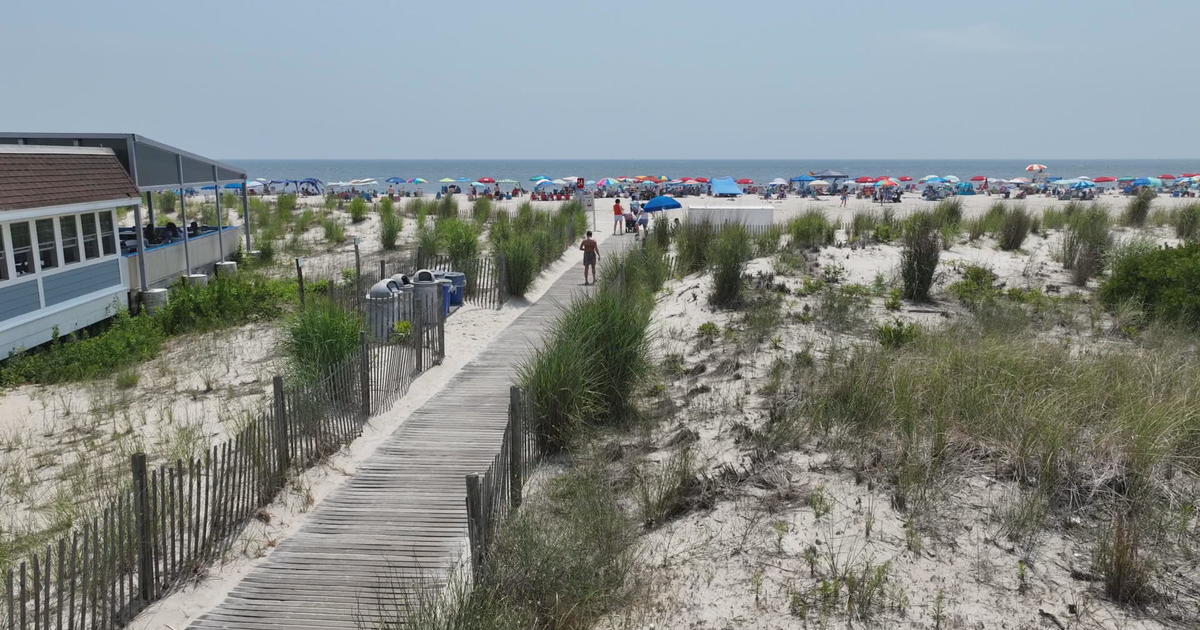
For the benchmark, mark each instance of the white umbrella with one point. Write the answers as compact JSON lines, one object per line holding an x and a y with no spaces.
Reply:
{"x":779,"y":181}
{"x":818,"y":182}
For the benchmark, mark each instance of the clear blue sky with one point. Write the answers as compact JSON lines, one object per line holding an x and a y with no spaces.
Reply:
{"x":613,"y":79}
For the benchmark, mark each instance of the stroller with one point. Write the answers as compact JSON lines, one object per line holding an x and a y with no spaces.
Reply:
{"x":631,"y":224}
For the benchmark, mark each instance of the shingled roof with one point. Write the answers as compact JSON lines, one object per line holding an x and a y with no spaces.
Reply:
{"x":38,"y":177}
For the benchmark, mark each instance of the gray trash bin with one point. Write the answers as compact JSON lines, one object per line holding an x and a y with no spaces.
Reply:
{"x":382,"y":313}
{"x":426,"y":288}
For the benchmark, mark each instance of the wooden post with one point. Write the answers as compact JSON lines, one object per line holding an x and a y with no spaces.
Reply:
{"x":365,"y":374}
{"x":441,"y":327}
{"x":300,"y":281}
{"x":502,"y":278}
{"x":382,"y":269}
{"x":418,"y":330}
{"x":516,"y":444}
{"x":475,"y":524}
{"x":358,"y":287}
{"x":144,"y":542}
{"x":282,"y":453}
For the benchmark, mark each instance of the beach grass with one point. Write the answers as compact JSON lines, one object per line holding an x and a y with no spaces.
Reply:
{"x":919,"y":255}
{"x":1086,"y":242}
{"x":1014,"y":228}
{"x":732,"y":249}
{"x":811,"y":230}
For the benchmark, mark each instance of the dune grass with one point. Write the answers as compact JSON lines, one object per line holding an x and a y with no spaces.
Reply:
{"x":1014,"y":228}
{"x":531,"y":240}
{"x":1086,"y":242}
{"x":1138,"y":208}
{"x":919,"y":255}
{"x":811,"y":229}
{"x":730,"y":253}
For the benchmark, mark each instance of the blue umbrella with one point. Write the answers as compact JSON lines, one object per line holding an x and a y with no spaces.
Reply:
{"x":538,"y":177}
{"x":463,"y":180}
{"x":396,"y":180}
{"x":661,"y":202}
{"x":804,"y":178}
{"x":1081,"y":185}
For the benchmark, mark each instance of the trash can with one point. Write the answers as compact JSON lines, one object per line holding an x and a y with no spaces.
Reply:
{"x":426,"y":288}
{"x":459,"y":280}
{"x":447,"y":288}
{"x":381,"y":306}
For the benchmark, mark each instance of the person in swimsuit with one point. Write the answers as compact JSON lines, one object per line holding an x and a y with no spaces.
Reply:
{"x":618,"y":218}
{"x":591,"y":253}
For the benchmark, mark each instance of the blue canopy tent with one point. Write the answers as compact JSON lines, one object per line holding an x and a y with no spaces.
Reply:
{"x":725,"y":187}
{"x":660,"y":203}
{"x":804,"y":178}
{"x":964,"y":188}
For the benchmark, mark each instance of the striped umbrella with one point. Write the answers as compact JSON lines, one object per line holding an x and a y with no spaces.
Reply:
{"x":1036,"y":168}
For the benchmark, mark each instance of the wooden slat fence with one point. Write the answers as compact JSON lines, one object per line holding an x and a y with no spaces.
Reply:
{"x":493,"y":495}
{"x":171,"y":521}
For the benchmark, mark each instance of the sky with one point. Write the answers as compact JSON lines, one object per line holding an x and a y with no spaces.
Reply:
{"x":614,"y":79}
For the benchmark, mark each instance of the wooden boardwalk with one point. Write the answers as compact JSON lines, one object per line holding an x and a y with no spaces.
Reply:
{"x":402,"y":514}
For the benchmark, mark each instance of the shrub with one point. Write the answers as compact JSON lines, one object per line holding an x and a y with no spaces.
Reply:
{"x":285,"y":203}
{"x":862,"y":225}
{"x":1164,"y":282}
{"x":948,"y":213}
{"x":335,"y":232}
{"x":661,"y":232}
{"x":481,"y":210}
{"x":446,"y":207}
{"x":993,"y":220}
{"x":390,"y":226}
{"x":429,"y":242}
{"x":730,"y":254}
{"x":1186,"y":221}
{"x":978,"y":284}
{"x":1085,"y":243}
{"x":1014,"y":228}
{"x":811,"y":229}
{"x":125,"y":341}
{"x":358,"y":210}
{"x":1138,"y":208}
{"x":1053,"y":219}
{"x":386,"y":206}
{"x":225,"y":301}
{"x":919,"y":255}
{"x":319,"y":337}
{"x":766,"y":242}
{"x":897,"y":333}
{"x":461,"y":240}
{"x":165,"y":201}
{"x":693,"y":241}
{"x":520,"y":264}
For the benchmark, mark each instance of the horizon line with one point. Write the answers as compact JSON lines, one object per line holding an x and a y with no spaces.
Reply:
{"x":708,"y":159}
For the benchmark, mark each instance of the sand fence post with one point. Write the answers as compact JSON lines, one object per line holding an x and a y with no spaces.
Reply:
{"x":300,"y":281}
{"x":441,"y":326}
{"x":145,"y":546}
{"x":382,"y":269}
{"x":516,"y":444}
{"x":364,"y":365}
{"x":282,"y":453}
{"x":475,"y":524}
{"x":418,"y":330}
{"x":358,"y":287}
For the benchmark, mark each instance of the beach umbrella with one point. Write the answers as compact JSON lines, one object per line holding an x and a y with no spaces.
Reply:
{"x":1167,"y":176}
{"x":606,"y":182}
{"x":395,"y":180}
{"x":661,"y":202}
{"x":951,"y":178}
{"x":546,"y":182}
{"x":804,"y":178}
{"x":887,"y":181}
{"x":979,"y":178}
{"x":779,"y":181}
{"x":538,"y":178}
{"x":1148,"y":181}
{"x":1101,"y":180}
{"x":905,"y":178}
{"x":570,"y":178}
{"x":486,"y":180}
{"x":703,"y":180}
{"x":1020,"y":180}
{"x":864,"y":180}
{"x":662,"y":178}
{"x":418,"y":180}
{"x":1035,"y":168}
{"x":366,"y":181}
{"x":818,"y":183}
{"x":744,"y":180}
{"x":1081,"y":184}
{"x":446,"y":180}
{"x":930,"y":178}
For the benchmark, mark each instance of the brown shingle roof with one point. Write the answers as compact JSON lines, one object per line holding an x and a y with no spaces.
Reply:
{"x":37,"y":177}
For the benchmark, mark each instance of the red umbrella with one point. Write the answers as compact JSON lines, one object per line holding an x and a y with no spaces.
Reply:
{"x":1101,"y":180}
{"x":486,"y":180}
{"x":1191,"y":174}
{"x":979,"y":178}
{"x":1167,"y":176}
{"x":745,"y":180}
{"x":905,"y":178}
{"x":702,"y":180}
{"x":864,"y":180}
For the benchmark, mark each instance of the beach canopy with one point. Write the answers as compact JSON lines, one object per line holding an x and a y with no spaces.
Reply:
{"x":506,"y":181}
{"x":661,"y":202}
{"x":1147,"y":181}
{"x":725,"y":186}
{"x":1101,"y":180}
{"x":366,"y":181}
{"x":804,"y":178}
{"x":829,"y":174}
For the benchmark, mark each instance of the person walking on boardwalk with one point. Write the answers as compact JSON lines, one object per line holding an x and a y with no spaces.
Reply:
{"x":618,"y":218}
{"x":591,"y":254}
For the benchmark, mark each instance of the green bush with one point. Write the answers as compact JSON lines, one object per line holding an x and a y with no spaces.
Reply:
{"x":978,"y":284}
{"x":729,"y":256}
{"x":319,"y":337}
{"x":225,"y":301}
{"x":811,"y":229}
{"x":1053,"y":219}
{"x":165,"y":201}
{"x":1015,"y":226}
{"x":1163,"y":282}
{"x":390,"y":226}
{"x":520,"y":264}
{"x":1186,"y":221}
{"x":446,"y":207}
{"x":919,"y":255}
{"x":1085,"y":243}
{"x":285,"y":203}
{"x":335,"y":232}
{"x":766,"y":242}
{"x":897,"y":333}
{"x":481,"y":210}
{"x":693,"y":241}
{"x":460,"y":239}
{"x":125,"y":341}
{"x":1138,"y":208}
{"x":993,"y":220}
{"x":386,"y":206}
{"x":358,"y":210}
{"x":661,"y":233}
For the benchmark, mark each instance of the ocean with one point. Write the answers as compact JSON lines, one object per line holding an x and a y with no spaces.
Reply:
{"x":758,"y":170}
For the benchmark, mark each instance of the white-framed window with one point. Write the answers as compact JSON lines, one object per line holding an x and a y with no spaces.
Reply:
{"x":68,"y":227}
{"x":47,"y":244}
{"x":3,"y":254}
{"x":91,"y":245}
{"x":108,"y":236}
{"x":22,"y":248}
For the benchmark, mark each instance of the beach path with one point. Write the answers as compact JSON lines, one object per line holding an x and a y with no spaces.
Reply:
{"x":401,"y":518}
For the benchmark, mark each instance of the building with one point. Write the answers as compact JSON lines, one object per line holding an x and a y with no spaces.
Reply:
{"x":65,"y":261}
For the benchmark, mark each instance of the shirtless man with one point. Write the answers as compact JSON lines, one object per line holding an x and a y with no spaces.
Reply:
{"x":591,"y":254}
